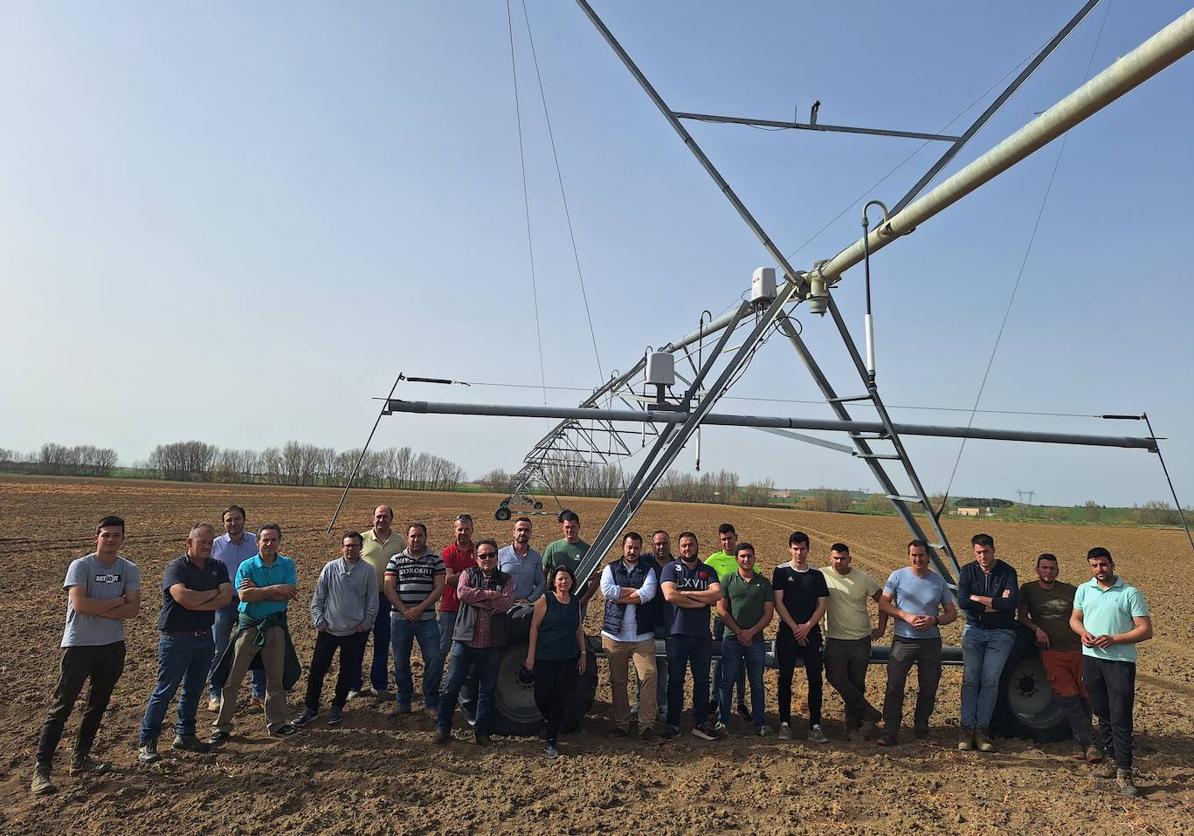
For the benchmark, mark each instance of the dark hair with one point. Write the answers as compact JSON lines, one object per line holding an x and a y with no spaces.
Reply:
{"x":726,"y":528}
{"x":660,"y":531}
{"x":840,"y":547}
{"x":1045,"y":556}
{"x":468,"y":518}
{"x":270,"y":527}
{"x":417,"y":525}
{"x":110,"y":521}
{"x":744,"y":547}
{"x":526,"y":520}
{"x":684,"y":534}
{"x":356,"y":534}
{"x":633,"y":535}
{"x":983,"y":540}
{"x":918,"y":543}
{"x":488,"y":541}
{"x":198,"y":526}
{"x":555,"y":571}
{"x":569,"y":516}
{"x":797,"y":537}
{"x":1099,"y":551}
{"x":224,"y":513}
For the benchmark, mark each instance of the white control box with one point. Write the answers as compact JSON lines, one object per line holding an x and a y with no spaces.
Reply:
{"x":661,"y":368}
{"x":762,"y":285}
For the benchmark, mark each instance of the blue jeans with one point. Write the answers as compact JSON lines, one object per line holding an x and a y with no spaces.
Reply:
{"x":403,"y":635}
{"x":221,"y":633}
{"x":379,"y":671}
{"x":733,"y":658}
{"x":447,"y":623}
{"x":182,"y":658}
{"x":719,"y":632}
{"x":983,"y":654}
{"x":684,"y":652}
{"x":487,"y":660}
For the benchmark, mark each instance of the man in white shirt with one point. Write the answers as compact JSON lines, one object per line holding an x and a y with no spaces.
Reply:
{"x":627,"y":584}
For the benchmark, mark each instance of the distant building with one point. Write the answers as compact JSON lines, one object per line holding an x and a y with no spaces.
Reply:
{"x":973,"y":512}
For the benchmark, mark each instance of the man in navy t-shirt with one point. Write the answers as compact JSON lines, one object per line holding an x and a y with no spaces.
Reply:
{"x":690,"y":587}
{"x":801,"y":597}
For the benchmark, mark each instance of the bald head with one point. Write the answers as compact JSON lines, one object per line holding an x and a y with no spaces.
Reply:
{"x":383,"y":515}
{"x":199,"y":542}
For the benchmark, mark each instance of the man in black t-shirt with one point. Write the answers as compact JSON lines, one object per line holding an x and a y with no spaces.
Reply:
{"x":801,"y":597}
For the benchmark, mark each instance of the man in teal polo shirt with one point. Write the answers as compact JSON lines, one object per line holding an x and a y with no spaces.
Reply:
{"x":1111,"y":617}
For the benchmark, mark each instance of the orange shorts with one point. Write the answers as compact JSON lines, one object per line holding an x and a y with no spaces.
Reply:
{"x":1064,"y":669}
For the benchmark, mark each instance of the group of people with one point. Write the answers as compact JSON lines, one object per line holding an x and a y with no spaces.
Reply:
{"x":225,"y":604}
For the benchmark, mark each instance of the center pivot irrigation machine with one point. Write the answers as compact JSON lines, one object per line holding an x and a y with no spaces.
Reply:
{"x":671,"y":392}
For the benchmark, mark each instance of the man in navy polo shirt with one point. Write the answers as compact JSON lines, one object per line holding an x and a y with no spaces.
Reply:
{"x":194,"y":587}
{"x":690,"y":587}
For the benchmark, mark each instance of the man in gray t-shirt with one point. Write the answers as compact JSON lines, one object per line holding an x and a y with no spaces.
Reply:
{"x":103,"y":589}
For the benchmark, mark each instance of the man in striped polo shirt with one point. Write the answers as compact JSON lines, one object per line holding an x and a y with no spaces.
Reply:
{"x":414,"y":581}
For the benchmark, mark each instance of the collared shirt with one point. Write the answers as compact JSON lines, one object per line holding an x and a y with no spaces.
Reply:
{"x":499,"y":601}
{"x":377,"y":554}
{"x":688,"y":621}
{"x":458,"y":560}
{"x":174,"y":617}
{"x":345,"y":596}
{"x":526,"y":570}
{"x":630,"y":631}
{"x":1106,"y":612}
{"x":232,"y":555}
{"x":281,"y":571}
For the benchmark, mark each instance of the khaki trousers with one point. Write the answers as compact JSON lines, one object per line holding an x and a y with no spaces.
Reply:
{"x":618,"y":655}
{"x":273,"y":657}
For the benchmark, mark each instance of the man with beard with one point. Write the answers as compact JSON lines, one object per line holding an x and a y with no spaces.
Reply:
{"x":414,"y":582}
{"x":523,"y":564}
{"x":457,"y":558}
{"x":627,"y":585}
{"x":848,"y":639}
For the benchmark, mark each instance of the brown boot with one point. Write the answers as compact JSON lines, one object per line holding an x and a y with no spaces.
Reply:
{"x":965,"y":738}
{"x":1106,"y":769}
{"x":983,"y":740}
{"x":1123,"y":777}
{"x":1094,"y":754}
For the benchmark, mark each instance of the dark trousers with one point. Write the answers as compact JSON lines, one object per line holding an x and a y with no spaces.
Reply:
{"x":554,"y":681}
{"x":684,"y":652}
{"x":846,"y":662}
{"x":789,"y":653}
{"x":352,"y":652}
{"x":926,"y":655}
{"x":103,"y":664}
{"x":379,"y":671}
{"x":1112,"y":689}
{"x":719,"y":633}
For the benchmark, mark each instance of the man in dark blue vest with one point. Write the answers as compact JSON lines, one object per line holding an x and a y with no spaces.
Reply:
{"x":628,"y":631}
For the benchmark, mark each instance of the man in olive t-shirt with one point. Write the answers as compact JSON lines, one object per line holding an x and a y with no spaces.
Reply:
{"x":1045,"y":607}
{"x":570,"y":551}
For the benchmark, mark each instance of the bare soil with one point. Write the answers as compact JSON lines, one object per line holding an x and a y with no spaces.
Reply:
{"x":379,"y":773}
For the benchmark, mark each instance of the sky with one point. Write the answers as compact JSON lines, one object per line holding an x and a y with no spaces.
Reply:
{"x":238,"y":222}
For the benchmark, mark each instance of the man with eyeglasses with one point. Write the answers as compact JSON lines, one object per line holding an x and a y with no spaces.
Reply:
{"x":523,"y":564}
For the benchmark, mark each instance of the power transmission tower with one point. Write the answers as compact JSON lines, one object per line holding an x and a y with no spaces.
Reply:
{"x":1030,"y":494}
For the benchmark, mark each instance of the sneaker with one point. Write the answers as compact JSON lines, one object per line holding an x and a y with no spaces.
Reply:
{"x":1094,"y":754}
{"x":785,"y":731}
{"x":1123,"y":777}
{"x":762,"y":731}
{"x":307,"y":717}
{"x":816,"y":734}
{"x":983,"y":740}
{"x":551,"y":748}
{"x":190,"y":743}
{"x":284,"y":730}
{"x":1104,"y":770}
{"x":616,"y":733}
{"x":352,"y":695}
{"x":383,"y":694}
{"x":720,"y":728}
{"x":41,"y":783}
{"x":441,"y":737}
{"x":88,"y":765}
{"x":213,"y":705}
{"x":704,"y":731}
{"x":965,"y":738}
{"x":401,"y":708}
{"x":147,"y":752}
{"x":648,"y":736}
{"x":483,"y":740}
{"x":744,"y":712}
{"x":219,"y":736}
{"x":670,"y":732}
{"x":335,"y":716}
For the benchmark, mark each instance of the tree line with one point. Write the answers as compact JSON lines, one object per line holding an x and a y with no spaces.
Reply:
{"x":60,"y":460}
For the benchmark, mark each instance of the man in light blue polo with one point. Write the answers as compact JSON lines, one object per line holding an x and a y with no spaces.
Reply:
{"x":1111,"y":617}
{"x":232,"y":548}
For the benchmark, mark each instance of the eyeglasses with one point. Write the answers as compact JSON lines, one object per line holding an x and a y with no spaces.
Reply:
{"x":487,"y":556}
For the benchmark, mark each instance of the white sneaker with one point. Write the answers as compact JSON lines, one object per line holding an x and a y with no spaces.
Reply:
{"x":817,"y":735}
{"x":785,"y":731}
{"x":762,"y":731}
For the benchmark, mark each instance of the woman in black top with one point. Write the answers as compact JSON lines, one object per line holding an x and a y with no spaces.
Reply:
{"x":556,"y":653}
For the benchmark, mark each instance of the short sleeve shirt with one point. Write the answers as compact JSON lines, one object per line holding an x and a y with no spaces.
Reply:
{"x":1107,"y":612}
{"x":563,"y":553}
{"x":801,"y":592}
{"x":746,"y":598}
{"x":456,"y":559}
{"x":723,"y":563}
{"x":919,"y":596}
{"x":692,"y":621}
{"x":102,"y":582}
{"x":847,"y":616}
{"x":281,"y":571}
{"x":377,"y":554}
{"x":174,"y":617}
{"x":1050,"y":610}
{"x":414,"y":579}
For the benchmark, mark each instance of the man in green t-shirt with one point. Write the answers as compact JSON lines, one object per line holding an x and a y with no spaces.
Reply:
{"x":1045,"y":607}
{"x":746,"y":607}
{"x":725,"y":563}
{"x":569,"y":552}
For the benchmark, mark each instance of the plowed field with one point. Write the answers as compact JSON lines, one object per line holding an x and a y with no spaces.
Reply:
{"x":377,"y":773}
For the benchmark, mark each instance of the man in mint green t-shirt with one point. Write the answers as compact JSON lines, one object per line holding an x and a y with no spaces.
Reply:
{"x":1111,"y":617}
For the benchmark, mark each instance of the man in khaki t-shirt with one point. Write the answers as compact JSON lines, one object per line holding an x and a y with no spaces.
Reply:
{"x":380,"y":544}
{"x":848,"y":636}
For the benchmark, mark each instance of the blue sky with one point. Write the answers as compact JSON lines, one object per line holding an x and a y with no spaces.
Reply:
{"x":238,"y":222}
